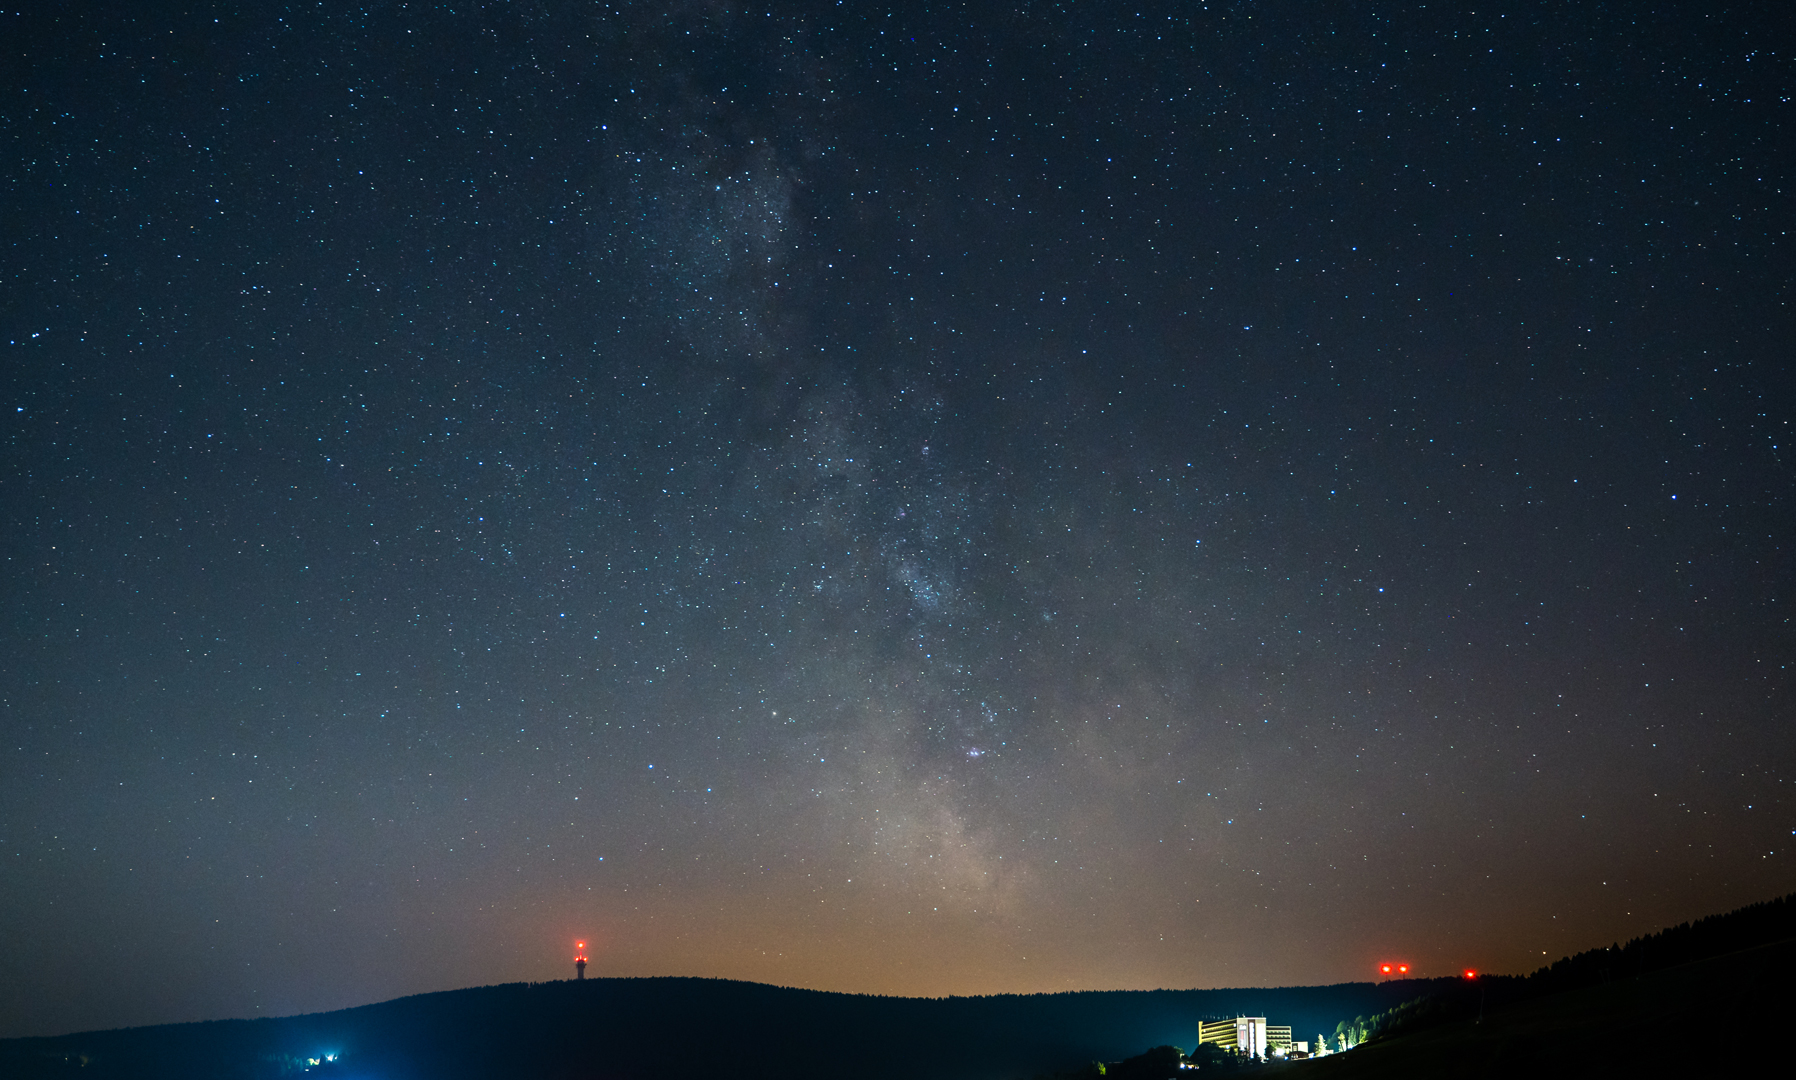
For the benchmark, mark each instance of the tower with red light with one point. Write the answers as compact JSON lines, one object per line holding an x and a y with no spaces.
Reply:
{"x":1471,"y":975}
{"x":579,"y":959}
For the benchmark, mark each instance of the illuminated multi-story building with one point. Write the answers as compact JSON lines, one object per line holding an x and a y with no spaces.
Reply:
{"x":1244,"y":1034}
{"x":1247,"y":1035}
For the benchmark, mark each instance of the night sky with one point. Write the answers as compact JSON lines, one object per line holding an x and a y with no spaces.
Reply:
{"x":930,"y":500}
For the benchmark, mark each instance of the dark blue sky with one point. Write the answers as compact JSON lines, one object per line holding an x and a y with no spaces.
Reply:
{"x":925,"y":500}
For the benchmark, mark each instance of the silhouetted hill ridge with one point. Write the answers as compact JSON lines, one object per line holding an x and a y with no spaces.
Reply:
{"x":1715,"y":935}
{"x":1746,"y":929}
{"x":671,"y":1028}
{"x":678,"y":1027}
{"x":1719,"y":1016}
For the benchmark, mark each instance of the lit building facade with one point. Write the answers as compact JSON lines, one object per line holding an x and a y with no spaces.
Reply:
{"x":1244,"y":1034}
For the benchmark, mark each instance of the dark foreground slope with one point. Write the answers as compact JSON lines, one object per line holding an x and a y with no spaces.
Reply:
{"x":667,"y":1029}
{"x":1725,"y":1016}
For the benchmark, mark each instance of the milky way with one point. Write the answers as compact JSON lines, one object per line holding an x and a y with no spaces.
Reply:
{"x":882,"y":500}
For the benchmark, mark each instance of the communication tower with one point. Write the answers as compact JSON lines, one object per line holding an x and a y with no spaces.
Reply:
{"x":579,"y":959}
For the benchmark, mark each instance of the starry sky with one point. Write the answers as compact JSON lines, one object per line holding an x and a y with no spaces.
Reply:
{"x":938,"y":499}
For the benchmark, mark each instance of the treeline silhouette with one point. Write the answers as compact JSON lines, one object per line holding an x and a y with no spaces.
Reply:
{"x":672,"y":1028}
{"x":1717,"y":935}
{"x":1159,"y":1063}
{"x":1460,"y":1000}
{"x":1744,"y":928}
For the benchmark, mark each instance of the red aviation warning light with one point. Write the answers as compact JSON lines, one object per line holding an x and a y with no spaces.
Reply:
{"x":1388,"y":970}
{"x":1472,"y":976}
{"x":579,"y":959}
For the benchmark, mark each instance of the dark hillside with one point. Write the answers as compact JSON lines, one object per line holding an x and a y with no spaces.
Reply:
{"x":1716,"y":935}
{"x":1724,"y":1016}
{"x":1602,"y":1012}
{"x":1769,"y":923}
{"x":623,"y":1029}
